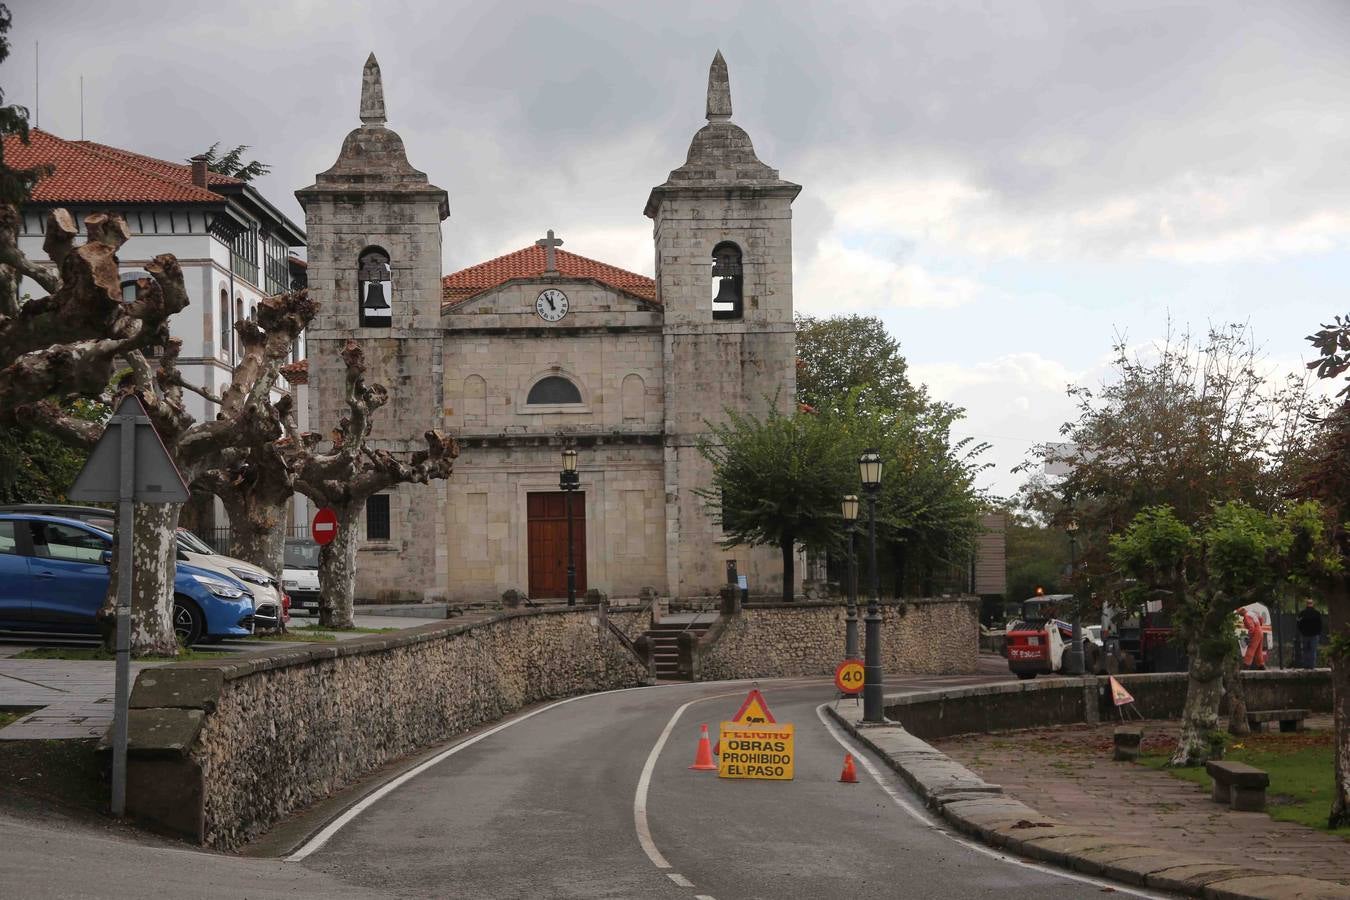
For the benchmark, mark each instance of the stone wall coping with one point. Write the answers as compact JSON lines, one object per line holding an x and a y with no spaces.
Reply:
{"x":862,"y":604}
{"x":1077,"y":684}
{"x":153,"y":692}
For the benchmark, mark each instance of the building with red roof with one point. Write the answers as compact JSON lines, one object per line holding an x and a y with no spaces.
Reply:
{"x":234,"y":246}
{"x":544,"y":349}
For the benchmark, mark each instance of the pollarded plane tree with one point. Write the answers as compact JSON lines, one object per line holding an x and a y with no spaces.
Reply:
{"x":82,"y":336}
{"x":349,"y":472}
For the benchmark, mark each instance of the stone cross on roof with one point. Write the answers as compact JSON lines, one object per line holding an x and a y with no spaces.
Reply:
{"x":550,"y":254}
{"x":719,"y":90}
{"x":372,"y":93}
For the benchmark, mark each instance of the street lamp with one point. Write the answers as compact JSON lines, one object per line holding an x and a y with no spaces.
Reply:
{"x":569,"y":480}
{"x":1074,"y":663}
{"x":850,"y":510}
{"x":869,"y":468}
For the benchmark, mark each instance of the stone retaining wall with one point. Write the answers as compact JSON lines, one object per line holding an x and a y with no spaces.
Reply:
{"x":1065,"y":701}
{"x":220,"y":751}
{"x":937,"y":636}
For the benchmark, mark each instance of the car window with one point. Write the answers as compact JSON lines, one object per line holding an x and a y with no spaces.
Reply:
{"x":64,"y":542}
{"x":7,"y":541}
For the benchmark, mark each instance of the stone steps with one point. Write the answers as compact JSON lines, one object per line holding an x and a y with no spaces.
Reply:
{"x":664,"y":639}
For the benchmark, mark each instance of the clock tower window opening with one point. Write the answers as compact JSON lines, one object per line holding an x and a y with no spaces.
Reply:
{"x":727,"y":282}
{"x":375,"y":288}
{"x":553,"y":390}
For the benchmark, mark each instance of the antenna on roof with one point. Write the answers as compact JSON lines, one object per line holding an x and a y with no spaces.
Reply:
{"x":81,"y":107}
{"x":37,"y":83}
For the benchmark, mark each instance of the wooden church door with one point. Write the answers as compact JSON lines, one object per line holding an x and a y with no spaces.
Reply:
{"x":547,"y":513}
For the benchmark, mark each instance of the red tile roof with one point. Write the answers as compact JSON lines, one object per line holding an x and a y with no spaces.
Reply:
{"x":466,"y":284}
{"x":87,"y":172}
{"x":296,"y":372}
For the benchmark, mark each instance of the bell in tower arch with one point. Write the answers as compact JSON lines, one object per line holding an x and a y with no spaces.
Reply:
{"x":728,"y":302}
{"x":374,"y":289}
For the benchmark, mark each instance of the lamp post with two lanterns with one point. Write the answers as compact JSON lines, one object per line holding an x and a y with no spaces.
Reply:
{"x":850,"y":511}
{"x":569,"y":481}
{"x":869,"y":468}
{"x":1074,"y":662}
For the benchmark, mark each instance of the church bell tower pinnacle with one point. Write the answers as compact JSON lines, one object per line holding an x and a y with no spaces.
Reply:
{"x":373,"y":225}
{"x":722,"y":227}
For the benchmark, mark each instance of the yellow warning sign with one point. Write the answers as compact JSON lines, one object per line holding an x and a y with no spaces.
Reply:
{"x":1119,"y":695}
{"x":756,"y":751}
{"x":754,"y":711}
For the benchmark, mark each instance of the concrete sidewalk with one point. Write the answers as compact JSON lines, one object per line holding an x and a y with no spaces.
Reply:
{"x":75,"y":696}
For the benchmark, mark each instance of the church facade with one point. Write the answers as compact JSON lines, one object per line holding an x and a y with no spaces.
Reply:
{"x":542,"y":350}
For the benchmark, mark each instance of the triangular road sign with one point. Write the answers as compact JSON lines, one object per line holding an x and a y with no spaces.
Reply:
{"x":754,"y":710}
{"x":1119,"y":696}
{"x":156,"y":478}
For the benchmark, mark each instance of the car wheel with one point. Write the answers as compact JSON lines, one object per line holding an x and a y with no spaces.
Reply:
{"x":188,"y":622}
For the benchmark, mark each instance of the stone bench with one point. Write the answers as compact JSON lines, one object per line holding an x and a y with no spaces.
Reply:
{"x":1127,"y":743}
{"x":1239,"y":785}
{"x":1289,"y":719}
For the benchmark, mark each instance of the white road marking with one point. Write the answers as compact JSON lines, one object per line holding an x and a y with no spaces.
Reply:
{"x":703,"y":897}
{"x":679,"y":879}
{"x":374,"y":796}
{"x":936,"y":824}
{"x":644,"y":832}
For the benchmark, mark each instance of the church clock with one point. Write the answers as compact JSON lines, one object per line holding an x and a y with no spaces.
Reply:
{"x":551,"y":305}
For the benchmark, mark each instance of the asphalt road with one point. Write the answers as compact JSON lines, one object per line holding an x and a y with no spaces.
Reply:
{"x":551,"y":805}
{"x":546,"y":808}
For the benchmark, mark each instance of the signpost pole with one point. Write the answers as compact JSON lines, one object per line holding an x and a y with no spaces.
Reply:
{"x":126,"y":517}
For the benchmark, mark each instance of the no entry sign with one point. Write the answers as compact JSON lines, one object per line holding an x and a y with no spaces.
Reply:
{"x":324,"y":527}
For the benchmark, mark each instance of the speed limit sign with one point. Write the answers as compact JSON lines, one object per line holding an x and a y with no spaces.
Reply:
{"x":848,"y":677}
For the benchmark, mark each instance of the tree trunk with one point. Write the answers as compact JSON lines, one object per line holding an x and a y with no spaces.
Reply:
{"x":1237,"y":697}
{"x":337,"y":570}
{"x":153,"y":552}
{"x":1200,"y":716}
{"x":898,"y":564}
{"x":1339,"y":631}
{"x":257,"y":532}
{"x":789,"y":575}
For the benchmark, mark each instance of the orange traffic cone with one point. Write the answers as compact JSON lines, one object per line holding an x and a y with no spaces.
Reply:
{"x":703,"y":761}
{"x":849,"y":775}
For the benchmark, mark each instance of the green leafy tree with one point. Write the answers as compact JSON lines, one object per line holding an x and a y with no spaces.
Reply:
{"x":1327,"y":479}
{"x":36,"y":467}
{"x":232,"y":163}
{"x":776,"y":481}
{"x":1235,"y":555}
{"x":1187,"y":423}
{"x":853,"y":356}
{"x":1037,"y":556}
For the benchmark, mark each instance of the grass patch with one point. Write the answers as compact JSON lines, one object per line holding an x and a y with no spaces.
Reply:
{"x":12,"y":715}
{"x":321,"y":628}
{"x":98,"y":654}
{"x":310,"y":637}
{"x":1301,"y":766}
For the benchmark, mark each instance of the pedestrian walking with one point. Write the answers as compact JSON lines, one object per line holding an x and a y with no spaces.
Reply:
{"x":1309,"y":622}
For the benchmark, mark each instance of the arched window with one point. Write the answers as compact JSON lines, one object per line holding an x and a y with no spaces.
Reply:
{"x":375,"y":288}
{"x":238,"y":317}
{"x":727,"y":281}
{"x":475,"y":400}
{"x":224,"y":348}
{"x":128,"y":290}
{"x":553,"y":390}
{"x":633,"y":398}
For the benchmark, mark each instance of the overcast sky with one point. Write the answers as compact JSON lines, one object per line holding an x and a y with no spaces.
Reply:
{"x":1006,"y":184}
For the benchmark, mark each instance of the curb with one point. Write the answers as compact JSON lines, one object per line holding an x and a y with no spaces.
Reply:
{"x":981,"y":810}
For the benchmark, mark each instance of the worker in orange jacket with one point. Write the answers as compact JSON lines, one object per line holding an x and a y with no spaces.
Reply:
{"x":1255,"y":657}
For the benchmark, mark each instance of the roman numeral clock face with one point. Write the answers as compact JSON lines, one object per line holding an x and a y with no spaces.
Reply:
{"x":551,"y":305}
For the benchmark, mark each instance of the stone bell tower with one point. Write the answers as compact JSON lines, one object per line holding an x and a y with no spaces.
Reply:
{"x":722,"y":224}
{"x":374,"y":235}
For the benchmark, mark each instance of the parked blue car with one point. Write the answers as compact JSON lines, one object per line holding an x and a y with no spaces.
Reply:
{"x":54,"y":576}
